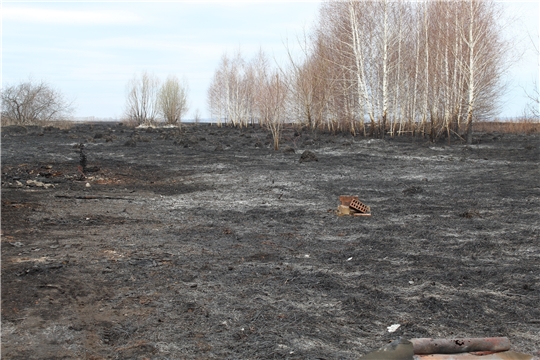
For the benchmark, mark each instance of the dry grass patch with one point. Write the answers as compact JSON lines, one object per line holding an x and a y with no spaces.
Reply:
{"x":515,"y":126}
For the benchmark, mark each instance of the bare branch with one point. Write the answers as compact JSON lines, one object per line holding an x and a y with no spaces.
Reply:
{"x":33,"y":102}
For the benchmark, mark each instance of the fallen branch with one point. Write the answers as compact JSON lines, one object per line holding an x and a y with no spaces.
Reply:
{"x":91,"y":197}
{"x":455,"y":346}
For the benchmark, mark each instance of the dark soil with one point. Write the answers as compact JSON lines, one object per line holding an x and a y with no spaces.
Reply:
{"x":205,"y":243}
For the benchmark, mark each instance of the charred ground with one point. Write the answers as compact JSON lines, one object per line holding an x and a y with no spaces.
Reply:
{"x":203,"y":242}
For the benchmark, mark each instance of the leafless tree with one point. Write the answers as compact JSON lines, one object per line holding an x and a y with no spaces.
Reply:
{"x":242,"y":92}
{"x":270,"y":103}
{"x":534,"y":96}
{"x":172,"y":100}
{"x":406,"y":67}
{"x":230,"y":95}
{"x":234,"y":88}
{"x":308,"y":84}
{"x":484,"y":61}
{"x":142,"y":98}
{"x":197,"y":116}
{"x":217,"y":99}
{"x":32,"y":102}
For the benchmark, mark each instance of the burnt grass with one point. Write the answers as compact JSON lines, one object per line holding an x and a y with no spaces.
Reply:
{"x":205,"y":243}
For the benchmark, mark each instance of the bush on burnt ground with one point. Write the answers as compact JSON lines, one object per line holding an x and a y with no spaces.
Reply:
{"x":33,"y":103}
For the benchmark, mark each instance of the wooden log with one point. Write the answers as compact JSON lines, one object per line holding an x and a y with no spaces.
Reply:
{"x":503,"y":355}
{"x":455,"y":346}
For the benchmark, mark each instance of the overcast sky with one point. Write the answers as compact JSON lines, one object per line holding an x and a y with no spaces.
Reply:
{"x":90,"y":50}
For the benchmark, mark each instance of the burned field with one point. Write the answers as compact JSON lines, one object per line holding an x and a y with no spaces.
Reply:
{"x":205,"y":243}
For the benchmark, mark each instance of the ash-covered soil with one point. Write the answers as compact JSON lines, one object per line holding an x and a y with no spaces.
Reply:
{"x":205,"y":243}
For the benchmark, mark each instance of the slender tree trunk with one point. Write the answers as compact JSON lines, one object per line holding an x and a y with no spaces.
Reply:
{"x":398,"y":104}
{"x":415,"y":85}
{"x":360,"y":68}
{"x":447,"y":87}
{"x":385,"y":71}
{"x":471,"y":43}
{"x":426,"y":71}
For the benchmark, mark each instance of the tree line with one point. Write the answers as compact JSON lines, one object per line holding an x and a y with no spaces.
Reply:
{"x":375,"y":68}
{"x":378,"y":68}
{"x":148,"y":101}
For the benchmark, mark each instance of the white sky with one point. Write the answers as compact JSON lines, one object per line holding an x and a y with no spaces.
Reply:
{"x":90,"y":50}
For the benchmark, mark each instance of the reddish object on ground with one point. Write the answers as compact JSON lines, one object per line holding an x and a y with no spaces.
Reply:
{"x":80,"y":170}
{"x":504,"y":355}
{"x":357,"y":205}
{"x":455,"y":346}
{"x":346,"y":200}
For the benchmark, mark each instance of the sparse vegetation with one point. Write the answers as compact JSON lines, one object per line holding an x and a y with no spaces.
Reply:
{"x":33,"y":103}
{"x":426,"y":69}
{"x":382,"y":68}
{"x":142,"y":99}
{"x":231,"y":95}
{"x":144,"y":240}
{"x":60,"y":124}
{"x":244,"y":93}
{"x":221,"y":233}
{"x":197,"y":117}
{"x":172,"y":100}
{"x":515,"y":126}
{"x":148,"y":101}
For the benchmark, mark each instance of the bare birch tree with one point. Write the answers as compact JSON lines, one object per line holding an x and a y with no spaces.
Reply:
{"x":142,"y":98}
{"x":485,"y":61}
{"x":534,"y":96}
{"x":308,"y":84}
{"x":270,"y":104}
{"x":230,"y":92}
{"x":410,"y":67}
{"x":343,"y":28}
{"x":422,"y":68}
{"x":217,"y":100}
